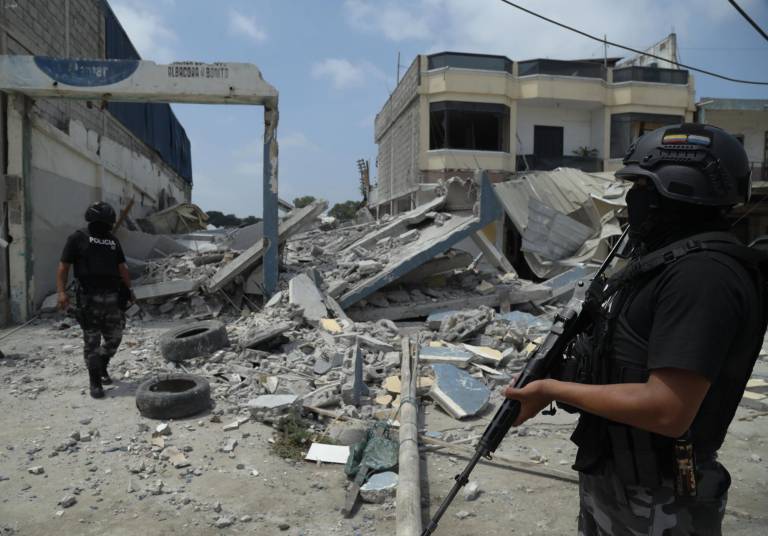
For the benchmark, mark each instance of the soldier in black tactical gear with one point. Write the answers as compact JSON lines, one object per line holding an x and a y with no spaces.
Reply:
{"x":675,"y":337}
{"x":103,"y":290}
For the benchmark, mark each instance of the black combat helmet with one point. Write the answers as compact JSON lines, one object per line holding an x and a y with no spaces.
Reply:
{"x":697,"y":164}
{"x":100,"y":212}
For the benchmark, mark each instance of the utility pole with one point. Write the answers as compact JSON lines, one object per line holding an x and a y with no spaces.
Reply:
{"x":398,"y":66}
{"x":605,"y":51}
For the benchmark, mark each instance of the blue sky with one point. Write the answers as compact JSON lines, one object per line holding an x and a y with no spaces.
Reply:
{"x":334,"y":63}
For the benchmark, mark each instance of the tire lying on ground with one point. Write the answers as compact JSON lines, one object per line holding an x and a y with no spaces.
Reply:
{"x":173,"y":396}
{"x":193,"y":340}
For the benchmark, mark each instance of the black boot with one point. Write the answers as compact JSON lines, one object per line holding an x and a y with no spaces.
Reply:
{"x":105,"y":379}
{"x":95,"y":380}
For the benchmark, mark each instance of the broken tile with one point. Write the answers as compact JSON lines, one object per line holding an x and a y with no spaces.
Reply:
{"x":453,"y":355}
{"x":320,"y":452}
{"x":331,"y":325}
{"x":392,"y":384}
{"x":457,"y":392}
{"x":485,"y":354}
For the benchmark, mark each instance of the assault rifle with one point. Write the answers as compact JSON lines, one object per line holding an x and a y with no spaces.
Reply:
{"x":568,"y":323}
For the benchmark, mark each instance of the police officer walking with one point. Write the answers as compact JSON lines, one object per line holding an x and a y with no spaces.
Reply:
{"x":103,"y":290}
{"x":675,"y":337}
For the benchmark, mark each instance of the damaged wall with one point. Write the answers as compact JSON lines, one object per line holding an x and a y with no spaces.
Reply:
{"x":397,"y":134}
{"x":69,"y":172}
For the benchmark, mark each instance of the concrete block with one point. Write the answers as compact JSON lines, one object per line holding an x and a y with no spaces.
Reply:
{"x":269,"y":408}
{"x":327,"y":395}
{"x":379,"y":488}
{"x":458,"y":393}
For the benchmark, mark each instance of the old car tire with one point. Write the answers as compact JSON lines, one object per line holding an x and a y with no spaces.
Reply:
{"x":173,"y":396}
{"x":193,"y":340}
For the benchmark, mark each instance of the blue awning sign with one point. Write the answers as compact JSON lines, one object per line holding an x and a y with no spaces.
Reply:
{"x":86,"y":73}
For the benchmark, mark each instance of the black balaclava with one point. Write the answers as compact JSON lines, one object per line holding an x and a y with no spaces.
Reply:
{"x":656,"y":221}
{"x":99,"y":229}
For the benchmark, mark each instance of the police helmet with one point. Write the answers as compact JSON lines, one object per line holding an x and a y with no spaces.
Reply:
{"x":100,"y":212}
{"x":697,"y":164}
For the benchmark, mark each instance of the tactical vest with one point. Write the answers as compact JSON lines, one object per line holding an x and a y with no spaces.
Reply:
{"x":639,"y":457}
{"x":98,"y":260}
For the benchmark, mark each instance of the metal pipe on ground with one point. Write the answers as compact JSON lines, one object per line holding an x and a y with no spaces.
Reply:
{"x":408,"y":500}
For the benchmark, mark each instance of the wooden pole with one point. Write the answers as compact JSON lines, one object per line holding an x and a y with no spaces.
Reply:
{"x":408,"y":489}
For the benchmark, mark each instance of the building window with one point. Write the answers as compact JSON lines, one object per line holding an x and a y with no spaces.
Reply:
{"x":474,"y":126}
{"x":629,"y":126}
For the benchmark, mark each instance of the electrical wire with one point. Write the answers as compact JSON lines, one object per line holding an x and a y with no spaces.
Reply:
{"x":600,"y":40}
{"x":748,"y":19}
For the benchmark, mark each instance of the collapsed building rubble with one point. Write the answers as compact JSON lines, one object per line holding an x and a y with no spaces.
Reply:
{"x":327,"y":346}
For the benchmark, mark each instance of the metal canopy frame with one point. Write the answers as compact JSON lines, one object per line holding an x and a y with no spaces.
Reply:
{"x":147,"y":81}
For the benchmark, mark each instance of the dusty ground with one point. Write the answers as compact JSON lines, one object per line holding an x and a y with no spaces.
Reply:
{"x":44,"y":400}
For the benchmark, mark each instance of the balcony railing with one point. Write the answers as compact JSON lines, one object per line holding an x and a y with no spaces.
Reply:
{"x":650,"y":74}
{"x":548,"y":163}
{"x":462,"y":60}
{"x":584,"y":69}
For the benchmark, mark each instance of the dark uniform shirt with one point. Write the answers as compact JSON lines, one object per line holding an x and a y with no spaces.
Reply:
{"x":701,"y":314}
{"x":96,"y":260}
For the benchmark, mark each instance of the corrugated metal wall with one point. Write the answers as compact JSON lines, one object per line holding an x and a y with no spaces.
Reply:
{"x":153,"y":123}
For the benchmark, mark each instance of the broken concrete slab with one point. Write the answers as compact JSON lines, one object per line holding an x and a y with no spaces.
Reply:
{"x":445,"y":354}
{"x":269,"y":408}
{"x":252,"y":256}
{"x":143,"y":246}
{"x":423,"y":385}
{"x":379,"y":488}
{"x":263,"y":338}
{"x":166,"y":289}
{"x":512,"y":294}
{"x":490,"y":253}
{"x":303,"y":292}
{"x":457,"y":392}
{"x":447,"y":262}
{"x":432,"y":241}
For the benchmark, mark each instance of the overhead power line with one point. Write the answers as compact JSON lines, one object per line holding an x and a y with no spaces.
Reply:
{"x":601,"y":40}
{"x":749,"y":19}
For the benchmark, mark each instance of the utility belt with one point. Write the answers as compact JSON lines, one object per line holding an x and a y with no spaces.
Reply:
{"x":87,"y":296}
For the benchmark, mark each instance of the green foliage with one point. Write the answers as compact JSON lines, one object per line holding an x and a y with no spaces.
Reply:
{"x":345,"y":211}
{"x":293,"y":437}
{"x":220,"y":219}
{"x":303,"y":201}
{"x":585,"y":152}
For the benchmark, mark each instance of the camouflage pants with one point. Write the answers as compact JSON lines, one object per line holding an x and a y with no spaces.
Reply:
{"x":102,"y":321}
{"x":609,"y":508}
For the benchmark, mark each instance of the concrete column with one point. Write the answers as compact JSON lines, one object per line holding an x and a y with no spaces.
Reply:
{"x":606,"y":148}
{"x":513,"y":134}
{"x":269,"y":211}
{"x":20,"y":250}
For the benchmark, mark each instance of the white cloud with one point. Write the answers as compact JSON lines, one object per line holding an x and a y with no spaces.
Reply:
{"x":495,"y":28}
{"x":345,"y":74}
{"x":148,"y":32}
{"x":249,"y":168}
{"x":240,"y":24}
{"x":395,"y":22}
{"x":296,"y":139}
